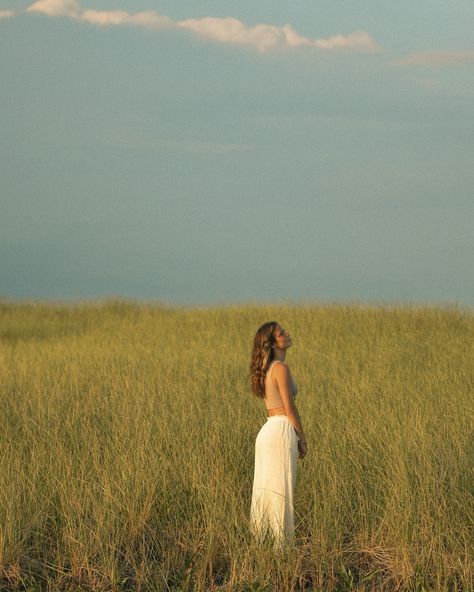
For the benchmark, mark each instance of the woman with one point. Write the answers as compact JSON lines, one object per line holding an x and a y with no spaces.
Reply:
{"x":279,"y":442}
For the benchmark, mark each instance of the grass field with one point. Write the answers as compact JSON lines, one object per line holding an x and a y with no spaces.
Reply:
{"x":127,"y":442}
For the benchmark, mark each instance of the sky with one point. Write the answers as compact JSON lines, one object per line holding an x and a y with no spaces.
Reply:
{"x":229,"y":152}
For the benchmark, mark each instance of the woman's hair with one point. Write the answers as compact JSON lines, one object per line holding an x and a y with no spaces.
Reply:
{"x":262,"y":356}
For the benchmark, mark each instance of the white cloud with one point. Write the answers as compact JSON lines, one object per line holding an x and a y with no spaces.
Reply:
{"x":358,"y":40}
{"x":56,"y":7}
{"x":231,"y":30}
{"x":266,"y":37}
{"x":436,"y":58}
{"x":105,"y":17}
{"x":263,"y":37}
{"x":4,"y":14}
{"x":151,"y":19}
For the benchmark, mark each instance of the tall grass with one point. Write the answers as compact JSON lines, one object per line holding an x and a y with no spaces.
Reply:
{"x":127,"y":443}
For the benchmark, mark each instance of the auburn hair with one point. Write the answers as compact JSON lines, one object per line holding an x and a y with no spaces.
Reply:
{"x":262,"y":356}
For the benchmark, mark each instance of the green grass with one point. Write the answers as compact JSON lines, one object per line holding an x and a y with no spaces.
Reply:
{"x":127,"y":442}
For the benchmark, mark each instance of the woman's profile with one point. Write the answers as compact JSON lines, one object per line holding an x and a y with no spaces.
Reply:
{"x":279,"y":442}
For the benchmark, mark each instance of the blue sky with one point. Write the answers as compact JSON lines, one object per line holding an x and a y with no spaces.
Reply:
{"x":230,"y":152}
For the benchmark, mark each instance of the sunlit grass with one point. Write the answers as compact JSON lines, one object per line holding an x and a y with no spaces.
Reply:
{"x":127,"y":443}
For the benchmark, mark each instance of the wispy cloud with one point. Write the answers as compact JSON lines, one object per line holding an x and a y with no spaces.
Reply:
{"x":231,"y":30}
{"x":72,"y":9}
{"x":69,"y":8}
{"x":148,"y":18}
{"x":4,"y":14}
{"x":436,"y":58}
{"x":262,"y":37}
{"x":358,"y":40}
{"x":266,"y":37}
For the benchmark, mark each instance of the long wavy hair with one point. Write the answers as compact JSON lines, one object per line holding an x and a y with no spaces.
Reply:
{"x":262,"y":356}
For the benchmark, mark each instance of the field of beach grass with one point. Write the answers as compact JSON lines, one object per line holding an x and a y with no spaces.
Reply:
{"x":127,"y":443}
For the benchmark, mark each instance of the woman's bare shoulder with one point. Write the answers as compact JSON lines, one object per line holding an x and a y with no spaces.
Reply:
{"x":281,"y":369}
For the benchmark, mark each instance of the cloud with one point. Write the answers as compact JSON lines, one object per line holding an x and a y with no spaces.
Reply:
{"x":266,"y":37}
{"x":4,"y":14}
{"x":72,"y":9}
{"x":358,"y":40}
{"x":151,"y":19}
{"x":436,"y":58}
{"x":262,"y":37}
{"x":106,"y":18}
{"x":56,"y":7}
{"x":231,"y":30}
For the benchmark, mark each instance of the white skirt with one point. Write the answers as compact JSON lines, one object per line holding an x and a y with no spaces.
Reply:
{"x":276,"y":457}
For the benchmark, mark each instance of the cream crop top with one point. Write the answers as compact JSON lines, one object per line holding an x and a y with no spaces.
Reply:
{"x":272,"y":392}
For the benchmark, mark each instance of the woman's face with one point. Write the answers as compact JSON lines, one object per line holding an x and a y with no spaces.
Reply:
{"x":282,"y":338}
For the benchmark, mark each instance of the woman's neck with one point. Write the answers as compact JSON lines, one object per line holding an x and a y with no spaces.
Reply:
{"x":279,"y":355}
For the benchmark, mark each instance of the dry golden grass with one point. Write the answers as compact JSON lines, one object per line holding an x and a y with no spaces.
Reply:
{"x":127,"y":442}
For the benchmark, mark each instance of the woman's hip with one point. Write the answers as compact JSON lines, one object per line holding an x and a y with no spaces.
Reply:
{"x":277,"y":430}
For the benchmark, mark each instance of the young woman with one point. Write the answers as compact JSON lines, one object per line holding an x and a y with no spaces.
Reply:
{"x":279,"y":442}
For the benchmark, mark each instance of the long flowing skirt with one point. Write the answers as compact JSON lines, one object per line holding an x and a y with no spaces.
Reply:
{"x":276,"y":457}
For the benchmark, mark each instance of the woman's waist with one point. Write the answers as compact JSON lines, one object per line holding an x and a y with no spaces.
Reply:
{"x":277,"y":404}
{"x":276,"y":411}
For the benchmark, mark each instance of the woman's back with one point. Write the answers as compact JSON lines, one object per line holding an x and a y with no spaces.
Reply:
{"x":272,"y":397}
